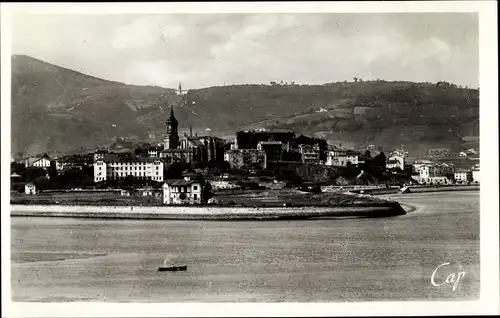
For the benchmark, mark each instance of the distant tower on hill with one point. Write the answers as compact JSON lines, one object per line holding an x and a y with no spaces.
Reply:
{"x":180,"y":91}
{"x":172,"y":135}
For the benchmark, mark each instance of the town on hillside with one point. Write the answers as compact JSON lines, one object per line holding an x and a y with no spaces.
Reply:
{"x":189,"y":168}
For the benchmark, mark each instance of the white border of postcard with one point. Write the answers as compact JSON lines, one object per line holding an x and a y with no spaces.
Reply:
{"x":489,"y":295}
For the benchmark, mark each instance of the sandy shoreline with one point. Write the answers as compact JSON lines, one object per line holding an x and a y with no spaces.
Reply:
{"x":205,"y":213}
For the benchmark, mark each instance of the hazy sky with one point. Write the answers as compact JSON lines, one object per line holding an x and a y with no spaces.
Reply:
{"x":209,"y":49}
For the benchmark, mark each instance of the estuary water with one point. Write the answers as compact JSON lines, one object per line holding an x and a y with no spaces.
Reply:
{"x":327,"y":260}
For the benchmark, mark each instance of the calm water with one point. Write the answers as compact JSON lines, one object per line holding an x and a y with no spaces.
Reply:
{"x":55,"y":259}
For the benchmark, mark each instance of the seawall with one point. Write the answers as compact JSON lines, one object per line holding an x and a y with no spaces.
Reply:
{"x":206,"y":213}
{"x":418,"y":189}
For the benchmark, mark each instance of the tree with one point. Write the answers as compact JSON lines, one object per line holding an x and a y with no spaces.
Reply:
{"x":355,"y":79}
{"x":52,"y":170}
{"x":367,"y":154}
{"x":380,"y":160}
{"x":33,"y":173}
{"x":469,"y":178}
{"x":18,"y":168}
{"x":206,"y":192}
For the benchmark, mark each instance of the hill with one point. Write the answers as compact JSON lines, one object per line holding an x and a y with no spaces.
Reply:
{"x":59,"y":110}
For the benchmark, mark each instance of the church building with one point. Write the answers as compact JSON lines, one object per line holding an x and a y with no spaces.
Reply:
{"x":190,"y":149}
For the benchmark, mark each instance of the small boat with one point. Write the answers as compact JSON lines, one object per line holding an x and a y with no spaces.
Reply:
{"x":173,"y":268}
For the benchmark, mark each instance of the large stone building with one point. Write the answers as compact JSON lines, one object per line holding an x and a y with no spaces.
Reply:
{"x":246,"y":158}
{"x":114,"y":166}
{"x":42,"y":161}
{"x":283,"y":146}
{"x":189,"y":148}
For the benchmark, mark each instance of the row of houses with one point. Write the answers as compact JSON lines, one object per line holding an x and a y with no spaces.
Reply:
{"x":439,"y":172}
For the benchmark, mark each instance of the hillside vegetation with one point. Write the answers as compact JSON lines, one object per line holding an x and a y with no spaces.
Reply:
{"x":59,"y":110}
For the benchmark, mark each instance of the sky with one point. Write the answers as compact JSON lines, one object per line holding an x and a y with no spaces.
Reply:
{"x":202,"y":50}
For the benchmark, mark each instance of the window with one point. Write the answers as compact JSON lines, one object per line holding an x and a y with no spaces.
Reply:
{"x":156,"y":172}
{"x":195,"y":188}
{"x":195,"y":196}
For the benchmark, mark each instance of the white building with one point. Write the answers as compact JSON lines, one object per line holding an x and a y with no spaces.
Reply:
{"x":341,"y":157}
{"x":42,"y":161}
{"x":476,"y":174}
{"x":182,"y":191}
{"x":396,"y":161}
{"x":30,"y":188}
{"x":462,"y":175}
{"x":112,"y":167}
{"x":419,"y":163}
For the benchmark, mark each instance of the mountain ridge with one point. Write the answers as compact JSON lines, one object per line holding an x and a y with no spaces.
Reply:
{"x":57,"y":110}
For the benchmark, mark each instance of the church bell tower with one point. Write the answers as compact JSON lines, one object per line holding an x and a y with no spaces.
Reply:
{"x":172,"y":135}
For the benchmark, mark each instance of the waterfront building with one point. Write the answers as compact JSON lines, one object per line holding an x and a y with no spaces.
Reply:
{"x":462,"y":175}
{"x":419,"y":163}
{"x":114,"y":166}
{"x":182,"y":191}
{"x":434,"y":172}
{"x":30,"y":188}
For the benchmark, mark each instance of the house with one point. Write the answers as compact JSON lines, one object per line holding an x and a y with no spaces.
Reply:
{"x":182,"y":191}
{"x":462,"y":175}
{"x":432,"y":169}
{"x":476,"y":174}
{"x":42,"y":161}
{"x":125,"y":193}
{"x":396,"y":161}
{"x":146,"y":192}
{"x":30,"y":188}
{"x":341,"y":157}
